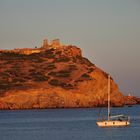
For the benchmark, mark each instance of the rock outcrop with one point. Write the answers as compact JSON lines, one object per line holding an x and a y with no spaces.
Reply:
{"x":57,"y":76}
{"x":131,"y":100}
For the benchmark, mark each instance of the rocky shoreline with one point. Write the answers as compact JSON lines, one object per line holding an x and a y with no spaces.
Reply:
{"x":131,"y":100}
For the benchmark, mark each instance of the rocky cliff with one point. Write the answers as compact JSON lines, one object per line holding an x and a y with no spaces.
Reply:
{"x":55,"y":77}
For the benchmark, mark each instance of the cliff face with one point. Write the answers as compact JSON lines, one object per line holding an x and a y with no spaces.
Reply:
{"x":56,"y":77}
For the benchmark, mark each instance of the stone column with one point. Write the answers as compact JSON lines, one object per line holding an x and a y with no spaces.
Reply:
{"x":55,"y":43}
{"x":45,"y":43}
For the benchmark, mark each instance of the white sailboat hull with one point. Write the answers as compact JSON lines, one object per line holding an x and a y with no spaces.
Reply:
{"x":113,"y":123}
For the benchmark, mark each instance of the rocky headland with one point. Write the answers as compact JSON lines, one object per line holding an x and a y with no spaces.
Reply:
{"x":53,"y":76}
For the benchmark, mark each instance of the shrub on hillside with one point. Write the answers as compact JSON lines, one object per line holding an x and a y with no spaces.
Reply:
{"x":86,"y":61}
{"x":85,"y":75}
{"x":41,"y":78}
{"x":37,"y":76}
{"x":62,"y":59}
{"x":4,"y":74}
{"x":55,"y":82}
{"x":18,"y":80}
{"x":52,"y":73}
{"x":50,"y":67}
{"x":90,"y":70}
{"x":49,"y":53}
{"x":14,"y":72}
{"x":62,"y":73}
{"x":67,"y":86}
{"x":72,"y":67}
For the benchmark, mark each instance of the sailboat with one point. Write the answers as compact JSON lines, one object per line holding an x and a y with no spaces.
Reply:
{"x":113,"y":121}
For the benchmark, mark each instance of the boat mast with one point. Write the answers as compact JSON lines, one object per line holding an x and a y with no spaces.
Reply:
{"x":108,"y":97}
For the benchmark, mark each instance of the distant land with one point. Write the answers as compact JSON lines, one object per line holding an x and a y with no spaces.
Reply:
{"x":54,"y":76}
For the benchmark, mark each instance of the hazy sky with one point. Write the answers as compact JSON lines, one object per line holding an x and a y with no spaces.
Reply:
{"x":108,"y":32}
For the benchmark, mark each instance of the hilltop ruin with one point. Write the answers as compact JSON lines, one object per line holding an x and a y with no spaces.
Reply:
{"x":27,"y":51}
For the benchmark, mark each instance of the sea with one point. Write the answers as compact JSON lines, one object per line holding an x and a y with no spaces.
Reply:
{"x":66,"y":124}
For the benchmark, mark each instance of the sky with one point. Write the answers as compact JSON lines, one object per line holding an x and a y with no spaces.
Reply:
{"x":107,"y":31}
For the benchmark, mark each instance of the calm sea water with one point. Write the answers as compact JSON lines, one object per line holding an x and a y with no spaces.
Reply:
{"x":65,"y":124}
